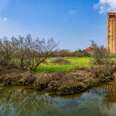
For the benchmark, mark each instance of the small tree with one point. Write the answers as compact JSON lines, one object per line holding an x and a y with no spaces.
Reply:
{"x":100,"y":54}
{"x":37,"y":51}
{"x":5,"y":51}
{"x":25,"y":52}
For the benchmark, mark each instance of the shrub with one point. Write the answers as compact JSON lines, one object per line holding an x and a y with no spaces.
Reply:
{"x":25,"y":52}
{"x":100,"y":55}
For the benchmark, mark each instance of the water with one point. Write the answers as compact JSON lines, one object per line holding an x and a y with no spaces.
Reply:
{"x":99,"y":101}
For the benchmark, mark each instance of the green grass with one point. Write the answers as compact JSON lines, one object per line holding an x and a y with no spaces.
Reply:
{"x":114,"y":59}
{"x":75,"y":63}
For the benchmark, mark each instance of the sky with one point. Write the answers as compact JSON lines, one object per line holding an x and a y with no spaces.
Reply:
{"x":72,"y":23}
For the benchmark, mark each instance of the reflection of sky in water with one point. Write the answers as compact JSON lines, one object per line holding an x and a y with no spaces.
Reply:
{"x":20,"y":102}
{"x":88,"y":104}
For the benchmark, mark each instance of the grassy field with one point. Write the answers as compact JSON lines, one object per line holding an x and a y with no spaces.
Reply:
{"x":75,"y":63}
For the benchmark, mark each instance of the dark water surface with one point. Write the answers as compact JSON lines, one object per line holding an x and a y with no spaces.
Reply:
{"x":99,"y":101}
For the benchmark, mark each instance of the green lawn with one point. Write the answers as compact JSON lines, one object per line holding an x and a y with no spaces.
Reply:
{"x":75,"y":63}
{"x":114,"y":59}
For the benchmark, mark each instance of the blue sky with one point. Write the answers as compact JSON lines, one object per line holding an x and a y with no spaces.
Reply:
{"x":72,"y":23}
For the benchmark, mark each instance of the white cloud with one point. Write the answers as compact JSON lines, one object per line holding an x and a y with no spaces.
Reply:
{"x":105,"y":6}
{"x":3,"y":19}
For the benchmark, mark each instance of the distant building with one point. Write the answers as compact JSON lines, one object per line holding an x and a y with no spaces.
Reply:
{"x":89,"y":50}
{"x":111,"y":37}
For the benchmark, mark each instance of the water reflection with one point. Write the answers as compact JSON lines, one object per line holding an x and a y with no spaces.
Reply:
{"x":109,"y":103}
{"x":21,"y":102}
{"x":17,"y":101}
{"x":111,"y":91}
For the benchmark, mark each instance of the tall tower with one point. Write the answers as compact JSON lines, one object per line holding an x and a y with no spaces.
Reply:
{"x":111,"y":40}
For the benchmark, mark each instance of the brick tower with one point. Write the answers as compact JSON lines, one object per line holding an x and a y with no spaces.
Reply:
{"x":111,"y":39}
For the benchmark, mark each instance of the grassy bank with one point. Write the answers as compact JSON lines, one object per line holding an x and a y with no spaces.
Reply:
{"x":58,"y":83}
{"x":75,"y":63}
{"x":63,"y":78}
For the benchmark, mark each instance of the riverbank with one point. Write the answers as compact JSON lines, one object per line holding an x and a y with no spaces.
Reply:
{"x":58,"y":83}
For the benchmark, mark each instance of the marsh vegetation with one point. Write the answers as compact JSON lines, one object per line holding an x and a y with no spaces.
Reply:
{"x":25,"y":52}
{"x":36,"y":63}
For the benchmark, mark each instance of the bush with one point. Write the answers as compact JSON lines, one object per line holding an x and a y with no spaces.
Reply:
{"x":100,"y":55}
{"x":25,"y":52}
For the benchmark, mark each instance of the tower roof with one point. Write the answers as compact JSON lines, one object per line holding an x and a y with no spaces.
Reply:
{"x":110,"y":13}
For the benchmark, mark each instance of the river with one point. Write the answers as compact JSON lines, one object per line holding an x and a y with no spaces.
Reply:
{"x":98,"y":101}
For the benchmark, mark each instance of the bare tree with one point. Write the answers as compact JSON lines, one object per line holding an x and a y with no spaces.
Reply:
{"x":100,"y":54}
{"x":6,"y":51}
{"x":25,"y":52}
{"x":38,"y":51}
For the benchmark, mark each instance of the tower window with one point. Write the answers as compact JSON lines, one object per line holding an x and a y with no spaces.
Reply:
{"x":111,"y":16}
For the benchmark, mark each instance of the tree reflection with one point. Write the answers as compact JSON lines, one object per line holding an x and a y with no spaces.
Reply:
{"x":110,"y":95}
{"x":21,"y":102}
{"x":111,"y":91}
